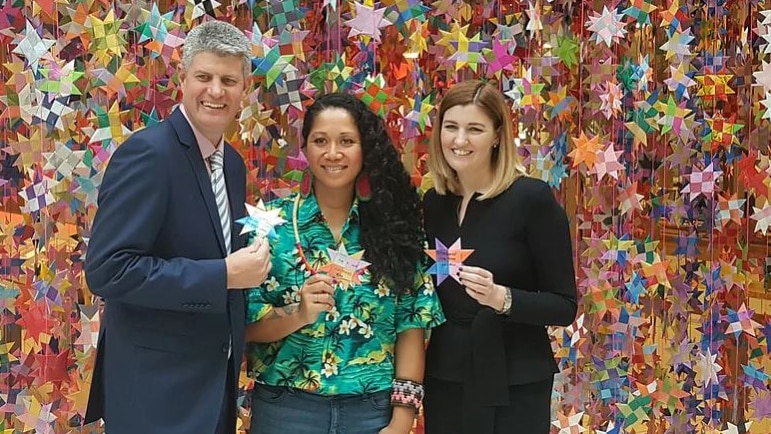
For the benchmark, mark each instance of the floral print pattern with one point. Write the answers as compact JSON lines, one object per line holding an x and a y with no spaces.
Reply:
{"x":349,"y":350}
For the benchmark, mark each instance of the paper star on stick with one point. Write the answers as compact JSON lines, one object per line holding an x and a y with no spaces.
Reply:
{"x":636,"y":410}
{"x":447,"y":260}
{"x":629,"y":199}
{"x":347,"y":269}
{"x":260,"y":220}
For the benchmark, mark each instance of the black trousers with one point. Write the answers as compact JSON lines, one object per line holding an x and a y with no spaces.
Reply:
{"x":529,"y":410}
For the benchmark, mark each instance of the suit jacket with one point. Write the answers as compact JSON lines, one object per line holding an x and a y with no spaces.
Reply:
{"x":156,"y":258}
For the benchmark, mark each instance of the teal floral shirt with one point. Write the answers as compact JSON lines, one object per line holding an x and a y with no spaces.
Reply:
{"x":351,"y":349}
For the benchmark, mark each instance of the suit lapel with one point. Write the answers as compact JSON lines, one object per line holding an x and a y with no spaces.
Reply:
{"x":193,"y":154}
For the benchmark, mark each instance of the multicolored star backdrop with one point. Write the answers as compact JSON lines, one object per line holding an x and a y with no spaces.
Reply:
{"x":650,"y":119}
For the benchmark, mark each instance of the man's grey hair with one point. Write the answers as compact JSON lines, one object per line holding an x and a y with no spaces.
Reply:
{"x":218,"y":37}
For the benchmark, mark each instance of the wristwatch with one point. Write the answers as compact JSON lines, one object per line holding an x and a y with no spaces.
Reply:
{"x":506,"y":301}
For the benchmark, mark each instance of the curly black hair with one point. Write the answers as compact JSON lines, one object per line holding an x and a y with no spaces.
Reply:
{"x":391,"y":230}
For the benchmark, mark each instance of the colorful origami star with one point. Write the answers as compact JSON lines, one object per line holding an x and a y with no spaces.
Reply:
{"x":762,"y":216}
{"x":107,"y":40}
{"x":740,"y":321}
{"x":447,"y":260}
{"x":367,"y":22}
{"x":702,"y":182}
{"x":607,"y":27}
{"x":729,"y":209}
{"x":607,"y":163}
{"x":260,"y":221}
{"x":30,"y":45}
{"x":195,"y":9}
{"x":680,"y":80}
{"x":715,"y":86}
{"x":640,"y":11}
{"x":375,"y":94}
{"x":586,"y":150}
{"x":569,"y":423}
{"x":677,"y":45}
{"x":347,"y":269}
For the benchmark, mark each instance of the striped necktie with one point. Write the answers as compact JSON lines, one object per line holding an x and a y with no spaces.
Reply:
{"x":220,"y":195}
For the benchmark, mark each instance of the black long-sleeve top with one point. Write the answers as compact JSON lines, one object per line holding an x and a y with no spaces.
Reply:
{"x":522,"y":236}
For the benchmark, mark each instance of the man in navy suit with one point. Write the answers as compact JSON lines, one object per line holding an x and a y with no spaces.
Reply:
{"x":171,"y":338}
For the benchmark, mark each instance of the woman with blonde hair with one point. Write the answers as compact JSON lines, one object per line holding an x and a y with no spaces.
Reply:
{"x":490,"y":367}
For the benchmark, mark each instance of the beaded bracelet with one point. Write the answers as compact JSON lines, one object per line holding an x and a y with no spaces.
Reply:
{"x":407,"y":393}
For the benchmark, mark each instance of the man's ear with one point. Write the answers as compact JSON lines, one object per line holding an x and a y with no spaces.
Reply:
{"x":181,"y":73}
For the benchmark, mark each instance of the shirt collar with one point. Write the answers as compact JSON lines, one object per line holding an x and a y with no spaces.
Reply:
{"x":310,"y":210}
{"x":205,"y":145}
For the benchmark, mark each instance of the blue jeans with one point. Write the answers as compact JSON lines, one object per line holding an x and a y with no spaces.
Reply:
{"x":282,"y":410}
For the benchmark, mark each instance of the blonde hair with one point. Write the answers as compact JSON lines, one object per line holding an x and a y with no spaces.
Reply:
{"x":507,"y":165}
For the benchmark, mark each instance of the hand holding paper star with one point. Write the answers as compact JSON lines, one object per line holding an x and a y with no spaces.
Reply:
{"x":448,"y":260}
{"x":347,"y":269}
{"x":260,"y":221}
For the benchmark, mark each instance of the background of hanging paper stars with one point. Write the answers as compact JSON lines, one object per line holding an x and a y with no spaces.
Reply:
{"x":649,"y":118}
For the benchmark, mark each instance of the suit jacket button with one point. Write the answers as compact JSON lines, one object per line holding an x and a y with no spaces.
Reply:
{"x":225,"y":348}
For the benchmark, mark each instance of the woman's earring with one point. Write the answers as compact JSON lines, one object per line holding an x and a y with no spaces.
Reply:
{"x":363,"y":188}
{"x":306,"y":183}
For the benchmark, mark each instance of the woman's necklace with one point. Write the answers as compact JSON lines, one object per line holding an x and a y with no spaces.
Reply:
{"x":298,"y":244}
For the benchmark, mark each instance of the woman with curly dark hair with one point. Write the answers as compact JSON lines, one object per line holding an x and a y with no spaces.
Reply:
{"x":337,"y":337}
